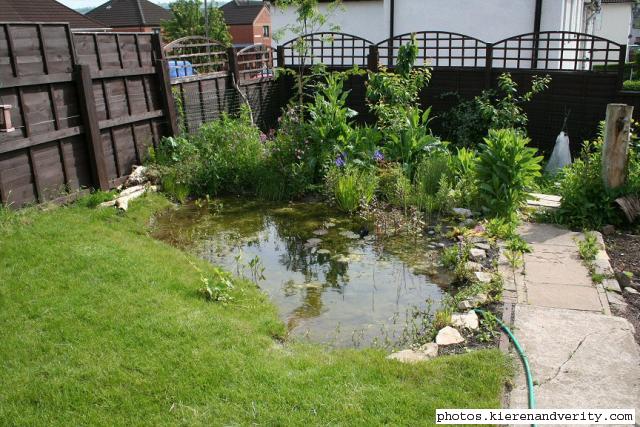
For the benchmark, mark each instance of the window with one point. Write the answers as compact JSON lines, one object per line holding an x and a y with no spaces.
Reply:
{"x":265,"y":31}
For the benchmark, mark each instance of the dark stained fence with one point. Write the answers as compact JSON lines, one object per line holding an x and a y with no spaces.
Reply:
{"x":85,"y":108}
{"x":583,"y":81}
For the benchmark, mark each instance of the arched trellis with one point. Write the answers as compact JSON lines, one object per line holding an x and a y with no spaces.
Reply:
{"x":556,"y":50}
{"x":330,"y":48}
{"x":436,"y":49}
{"x":255,"y":62}
{"x":195,"y":55}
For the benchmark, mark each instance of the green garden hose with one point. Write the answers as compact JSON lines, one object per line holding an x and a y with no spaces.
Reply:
{"x":523,"y":357}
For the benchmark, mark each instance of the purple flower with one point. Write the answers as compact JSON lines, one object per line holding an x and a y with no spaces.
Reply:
{"x":378,"y":156}
{"x":340,"y":160}
{"x":263,"y":137}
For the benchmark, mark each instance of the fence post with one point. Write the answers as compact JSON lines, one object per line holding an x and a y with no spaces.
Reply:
{"x":488,"y":66}
{"x":621,"y":61}
{"x":280,"y":56}
{"x":373,"y":59}
{"x":232,"y":57}
{"x":164,"y":82}
{"x":87,"y":102}
{"x":616,"y":144}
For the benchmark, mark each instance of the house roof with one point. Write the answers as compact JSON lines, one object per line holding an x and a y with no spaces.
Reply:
{"x":130,"y":13}
{"x":45,"y":11}
{"x":241,"y":12}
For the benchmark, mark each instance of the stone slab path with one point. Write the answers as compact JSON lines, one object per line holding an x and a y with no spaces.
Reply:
{"x":580,"y":355}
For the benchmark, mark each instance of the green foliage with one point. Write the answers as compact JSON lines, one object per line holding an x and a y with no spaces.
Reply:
{"x":395,"y":187}
{"x":392,"y":95}
{"x":96,"y":197}
{"x":188,"y":20}
{"x":223,"y":157}
{"x":631,"y":85}
{"x":410,"y":144}
{"x":217,"y":284}
{"x":503,"y":109}
{"x":588,"y":247}
{"x":469,"y":121}
{"x":352,"y":187}
{"x":507,"y":167}
{"x":501,"y":228}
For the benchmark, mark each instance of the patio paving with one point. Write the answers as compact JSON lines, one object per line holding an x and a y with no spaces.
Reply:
{"x":580,"y":355}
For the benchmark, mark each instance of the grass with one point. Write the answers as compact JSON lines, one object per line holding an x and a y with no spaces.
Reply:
{"x":103,"y":325}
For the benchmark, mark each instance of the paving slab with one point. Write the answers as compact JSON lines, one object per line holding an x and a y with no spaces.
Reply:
{"x":579,"y":359}
{"x":547,"y":234}
{"x":563,"y":296}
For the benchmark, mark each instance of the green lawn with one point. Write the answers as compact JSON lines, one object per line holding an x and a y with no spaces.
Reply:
{"x":102,"y":325}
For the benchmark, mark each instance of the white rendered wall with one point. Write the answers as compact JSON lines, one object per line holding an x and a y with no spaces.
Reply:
{"x":614,"y":23}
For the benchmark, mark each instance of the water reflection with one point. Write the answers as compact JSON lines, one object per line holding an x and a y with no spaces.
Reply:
{"x":330,"y":284}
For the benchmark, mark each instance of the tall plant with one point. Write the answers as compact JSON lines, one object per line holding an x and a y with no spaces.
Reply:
{"x":189,"y":20}
{"x":506,"y":169}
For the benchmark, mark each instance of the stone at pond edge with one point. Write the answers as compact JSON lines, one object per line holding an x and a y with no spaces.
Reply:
{"x":473,"y":266}
{"x":477,"y":254}
{"x":467,"y":321}
{"x":349,"y":235}
{"x":449,"y":336}
{"x":313,"y":242}
{"x":483,"y":277}
{"x":464,"y":305}
{"x":473,"y":302}
{"x":483,"y":246}
{"x":430,"y":349}
{"x":631,"y":291}
{"x":463,"y":212}
{"x":320,"y":232}
{"x":410,"y":356}
{"x":324,"y":251}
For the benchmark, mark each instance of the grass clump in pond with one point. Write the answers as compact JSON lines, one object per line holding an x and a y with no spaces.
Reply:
{"x":103,"y":325}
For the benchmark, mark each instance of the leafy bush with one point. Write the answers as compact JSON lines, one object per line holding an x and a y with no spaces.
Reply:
{"x":468,"y":122}
{"x":395,"y":187}
{"x":632,"y":85}
{"x":505,"y":169}
{"x":586,"y":203}
{"x":352,"y":187}
{"x":223,"y":157}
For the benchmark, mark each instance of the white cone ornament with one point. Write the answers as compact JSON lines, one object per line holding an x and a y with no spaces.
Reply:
{"x":561,"y":155}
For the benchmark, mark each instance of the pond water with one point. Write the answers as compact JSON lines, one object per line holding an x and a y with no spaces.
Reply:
{"x":333,"y":279}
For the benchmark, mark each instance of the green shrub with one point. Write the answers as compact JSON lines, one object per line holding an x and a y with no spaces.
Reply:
{"x":631,"y":85}
{"x":223,"y":157}
{"x":586,"y":203}
{"x":430,"y":172}
{"x":506,"y":168}
{"x":352,"y":187}
{"x":395,"y":187}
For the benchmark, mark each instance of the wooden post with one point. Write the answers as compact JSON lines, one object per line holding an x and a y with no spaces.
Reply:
{"x":164,"y":82}
{"x":280,"y":56}
{"x":87,"y":103}
{"x":232,"y":57}
{"x":488,"y":66}
{"x":615,"y":153}
{"x":373,"y":59}
{"x":622,"y":58}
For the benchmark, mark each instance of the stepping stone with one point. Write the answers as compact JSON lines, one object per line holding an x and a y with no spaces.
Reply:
{"x":349,"y":235}
{"x":449,"y":336}
{"x":320,"y":232}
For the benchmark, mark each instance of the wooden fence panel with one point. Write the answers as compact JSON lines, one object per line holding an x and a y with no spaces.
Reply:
{"x":77,"y":126}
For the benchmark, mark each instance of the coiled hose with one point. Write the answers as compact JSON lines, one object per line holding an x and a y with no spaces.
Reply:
{"x":521,"y":353}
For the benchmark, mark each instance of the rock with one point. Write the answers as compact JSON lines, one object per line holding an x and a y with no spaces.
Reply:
{"x":608,"y":230}
{"x":431,"y":232}
{"x":430,"y":349}
{"x":464,"y":305}
{"x":329,"y":224}
{"x":483,"y":277}
{"x":624,"y":279}
{"x":349,"y":235}
{"x":341,"y":259}
{"x":479,"y":299}
{"x":473,"y":266}
{"x":312,"y":242}
{"x":483,"y":246}
{"x":320,"y":232}
{"x":467,"y":321}
{"x":449,"y":336}
{"x":463,"y":212}
{"x":466,"y":223}
{"x":410,"y":356}
{"x":324,"y":251}
{"x":477,"y":254}
{"x":138,"y":177}
{"x":631,"y":291}
{"x":441,"y":245}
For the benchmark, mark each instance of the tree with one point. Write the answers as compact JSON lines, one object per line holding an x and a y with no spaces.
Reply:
{"x":188,"y":20}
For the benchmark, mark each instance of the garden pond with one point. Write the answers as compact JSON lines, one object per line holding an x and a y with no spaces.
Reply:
{"x":334,"y":278}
